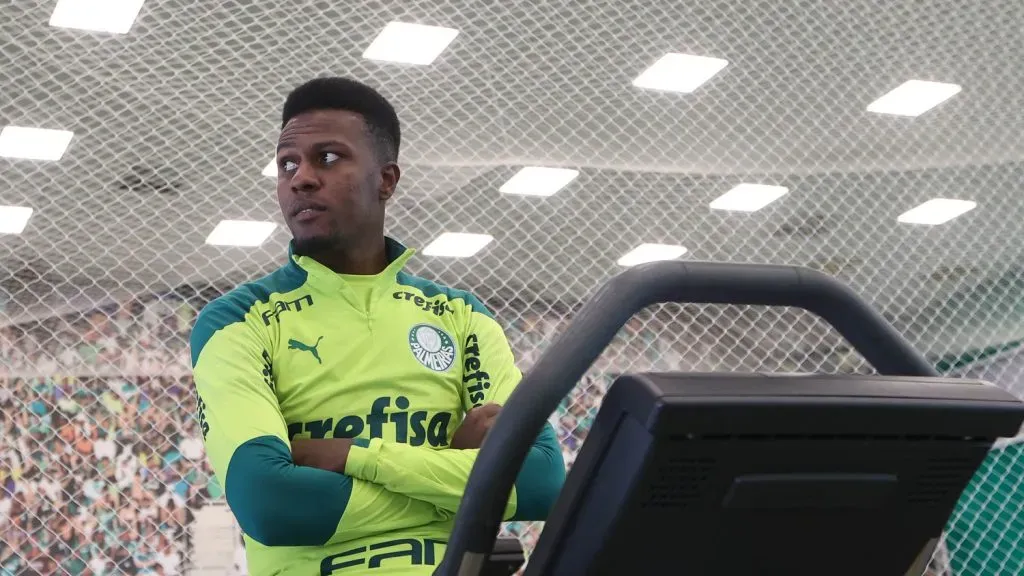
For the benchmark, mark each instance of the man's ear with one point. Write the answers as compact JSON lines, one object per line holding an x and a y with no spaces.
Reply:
{"x":390,"y":174}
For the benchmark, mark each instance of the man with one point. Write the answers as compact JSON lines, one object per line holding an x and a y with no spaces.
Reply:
{"x":342,"y":400}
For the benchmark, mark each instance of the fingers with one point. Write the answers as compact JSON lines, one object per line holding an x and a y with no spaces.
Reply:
{"x":490,"y":420}
{"x":491,"y":416}
{"x":489,"y":410}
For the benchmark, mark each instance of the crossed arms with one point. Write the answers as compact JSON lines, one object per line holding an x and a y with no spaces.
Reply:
{"x":315,"y":492}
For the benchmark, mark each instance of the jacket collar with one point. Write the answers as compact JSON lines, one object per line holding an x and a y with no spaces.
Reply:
{"x":397,"y":255}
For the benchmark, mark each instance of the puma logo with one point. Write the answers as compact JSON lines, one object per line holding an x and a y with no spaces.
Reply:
{"x":296,"y":345}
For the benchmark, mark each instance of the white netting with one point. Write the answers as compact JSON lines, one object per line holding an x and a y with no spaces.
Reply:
{"x":100,"y":460}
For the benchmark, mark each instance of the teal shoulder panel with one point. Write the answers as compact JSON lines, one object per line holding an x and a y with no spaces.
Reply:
{"x":541,"y":478}
{"x":233,"y":306}
{"x":393,"y":249}
{"x":431,"y":289}
{"x":278,"y":503}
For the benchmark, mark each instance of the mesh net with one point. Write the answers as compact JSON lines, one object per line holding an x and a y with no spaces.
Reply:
{"x":100,"y":456}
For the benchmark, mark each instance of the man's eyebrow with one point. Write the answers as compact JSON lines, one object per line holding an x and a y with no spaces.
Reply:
{"x":288,"y":142}
{"x":330,"y":143}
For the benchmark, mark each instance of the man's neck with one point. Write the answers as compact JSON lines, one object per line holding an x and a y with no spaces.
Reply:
{"x":362,"y":257}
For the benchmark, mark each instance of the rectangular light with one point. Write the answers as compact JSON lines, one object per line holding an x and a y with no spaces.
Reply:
{"x":13,"y":219}
{"x":913,"y":98}
{"x":240,"y":233}
{"x":113,"y":16}
{"x":271,"y":169}
{"x":34,"y":143}
{"x":410,"y":43}
{"x":749,"y":197}
{"x":679,"y":73}
{"x":651,"y":253}
{"x":457,"y":244}
{"x":936,"y":211}
{"x":538,"y":181}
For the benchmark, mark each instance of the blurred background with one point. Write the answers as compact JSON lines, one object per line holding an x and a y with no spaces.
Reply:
{"x":546,"y":147}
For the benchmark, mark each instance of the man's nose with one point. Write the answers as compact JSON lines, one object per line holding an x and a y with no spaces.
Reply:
{"x":305,"y":178}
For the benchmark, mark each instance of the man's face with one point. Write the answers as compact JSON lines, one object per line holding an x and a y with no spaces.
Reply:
{"x":330,"y":184}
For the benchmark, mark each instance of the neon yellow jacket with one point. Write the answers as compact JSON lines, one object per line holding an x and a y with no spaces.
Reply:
{"x":392,"y":360}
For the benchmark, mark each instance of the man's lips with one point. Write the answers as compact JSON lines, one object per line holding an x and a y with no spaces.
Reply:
{"x":307,"y":215}
{"x":307,"y":210}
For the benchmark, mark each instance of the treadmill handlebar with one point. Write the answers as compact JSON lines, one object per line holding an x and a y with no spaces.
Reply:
{"x":595,"y":325}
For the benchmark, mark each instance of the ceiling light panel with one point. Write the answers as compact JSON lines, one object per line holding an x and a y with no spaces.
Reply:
{"x":457,"y":244}
{"x":406,"y":43}
{"x":679,"y":73}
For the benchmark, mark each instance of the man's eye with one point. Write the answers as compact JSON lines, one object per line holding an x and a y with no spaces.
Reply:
{"x":288,"y":166}
{"x":329,"y":157}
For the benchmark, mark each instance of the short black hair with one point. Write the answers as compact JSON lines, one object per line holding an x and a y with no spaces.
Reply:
{"x":335,"y":93}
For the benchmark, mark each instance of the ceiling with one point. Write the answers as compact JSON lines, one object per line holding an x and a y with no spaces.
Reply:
{"x":190,"y":99}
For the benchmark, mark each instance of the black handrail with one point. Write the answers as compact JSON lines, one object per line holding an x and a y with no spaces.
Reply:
{"x":568,"y":358}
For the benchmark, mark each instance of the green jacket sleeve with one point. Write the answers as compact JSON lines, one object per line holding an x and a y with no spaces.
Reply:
{"x":275,"y":502}
{"x":440,"y":476}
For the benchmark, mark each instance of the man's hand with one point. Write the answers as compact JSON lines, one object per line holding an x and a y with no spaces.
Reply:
{"x":329,"y":454}
{"x":474,"y":428}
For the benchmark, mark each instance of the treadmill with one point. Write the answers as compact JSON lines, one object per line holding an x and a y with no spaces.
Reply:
{"x":730,"y":474}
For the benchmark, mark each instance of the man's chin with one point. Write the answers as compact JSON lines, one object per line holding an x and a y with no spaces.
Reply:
{"x":310,"y":245}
